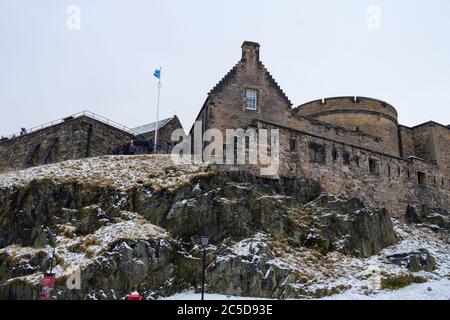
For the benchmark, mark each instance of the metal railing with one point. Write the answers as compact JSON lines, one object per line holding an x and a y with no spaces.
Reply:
{"x":89,"y":114}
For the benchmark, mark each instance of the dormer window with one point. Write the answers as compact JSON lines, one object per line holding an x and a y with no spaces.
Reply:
{"x":251,"y":99}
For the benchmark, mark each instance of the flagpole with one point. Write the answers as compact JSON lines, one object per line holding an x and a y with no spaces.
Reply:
{"x":157,"y":110}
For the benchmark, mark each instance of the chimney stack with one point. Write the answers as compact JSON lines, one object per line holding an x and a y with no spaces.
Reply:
{"x":250,"y":51}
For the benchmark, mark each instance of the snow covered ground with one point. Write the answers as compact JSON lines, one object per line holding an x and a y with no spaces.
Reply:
{"x":440,"y":290}
{"x":190,"y":295}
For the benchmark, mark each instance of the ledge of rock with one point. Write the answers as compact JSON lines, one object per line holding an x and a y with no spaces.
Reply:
{"x":133,"y":223}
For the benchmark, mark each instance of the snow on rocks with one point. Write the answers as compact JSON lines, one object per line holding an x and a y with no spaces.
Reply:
{"x":121,"y":172}
{"x":311,"y":274}
{"x":77,"y":252}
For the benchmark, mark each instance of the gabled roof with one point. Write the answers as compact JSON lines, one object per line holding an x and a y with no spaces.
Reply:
{"x":233,"y":72}
{"x":146,"y":128}
{"x":274,"y":83}
{"x":230,"y":75}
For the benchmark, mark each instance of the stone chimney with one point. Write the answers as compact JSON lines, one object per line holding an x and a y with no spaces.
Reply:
{"x":250,"y":51}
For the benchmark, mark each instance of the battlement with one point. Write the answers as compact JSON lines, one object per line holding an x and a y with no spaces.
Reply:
{"x":374,"y":117}
{"x":347,"y":104}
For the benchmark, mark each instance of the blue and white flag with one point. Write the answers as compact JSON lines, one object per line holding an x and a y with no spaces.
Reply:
{"x":157,"y":74}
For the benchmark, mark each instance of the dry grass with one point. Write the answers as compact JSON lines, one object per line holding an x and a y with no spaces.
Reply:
{"x":119,"y":172}
{"x":401,"y":280}
{"x":6,"y":169}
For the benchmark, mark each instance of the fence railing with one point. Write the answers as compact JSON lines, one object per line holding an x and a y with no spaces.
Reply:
{"x":89,"y":114}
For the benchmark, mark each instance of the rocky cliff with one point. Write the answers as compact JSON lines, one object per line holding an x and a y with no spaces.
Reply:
{"x":121,"y":224}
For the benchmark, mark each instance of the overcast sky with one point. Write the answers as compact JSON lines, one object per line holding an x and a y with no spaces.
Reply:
{"x":314,"y":49}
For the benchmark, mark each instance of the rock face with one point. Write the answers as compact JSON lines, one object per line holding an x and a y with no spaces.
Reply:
{"x":349,"y":227}
{"x":414,"y":261}
{"x":145,"y":237}
{"x":434,"y":218}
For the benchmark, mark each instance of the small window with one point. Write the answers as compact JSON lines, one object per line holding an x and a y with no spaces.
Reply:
{"x":389,"y":170}
{"x":399,"y":171}
{"x":356,"y":160}
{"x":293,"y":145}
{"x":421,"y":178}
{"x":346,"y":157}
{"x":251,"y":99}
{"x":374,"y":168}
{"x":334,"y":154}
{"x":317,"y":153}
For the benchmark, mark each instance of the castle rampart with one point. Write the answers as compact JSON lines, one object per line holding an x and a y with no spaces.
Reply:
{"x":371,"y":116}
{"x":73,"y":138}
{"x":377,"y":178}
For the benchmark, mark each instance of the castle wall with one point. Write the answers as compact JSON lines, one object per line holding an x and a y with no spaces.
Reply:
{"x":406,"y":136}
{"x":373,"y":117}
{"x":104,"y":139}
{"x":378,"y":179}
{"x":77,"y":138}
{"x":424,"y":143}
{"x":165,"y":143}
{"x":351,"y":104}
{"x":336,"y":132}
{"x":442,"y":148}
{"x":430,"y":141}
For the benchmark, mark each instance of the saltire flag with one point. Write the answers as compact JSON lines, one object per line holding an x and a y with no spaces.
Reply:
{"x":157,"y":74}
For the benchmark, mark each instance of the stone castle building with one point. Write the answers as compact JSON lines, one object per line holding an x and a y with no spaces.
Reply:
{"x":79,"y":136}
{"x":354,"y":146}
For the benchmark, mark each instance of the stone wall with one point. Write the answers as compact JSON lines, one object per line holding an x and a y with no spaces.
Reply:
{"x":441,"y":137}
{"x":362,"y":121}
{"x":337,"y":132}
{"x":377,"y":178}
{"x":165,"y":143}
{"x":406,"y":136}
{"x":430,"y":141}
{"x":367,"y":153}
{"x":373,"y":117}
{"x":73,"y":139}
{"x":423,"y":143}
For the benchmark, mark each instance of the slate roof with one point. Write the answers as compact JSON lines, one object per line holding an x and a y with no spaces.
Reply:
{"x":146,"y":128}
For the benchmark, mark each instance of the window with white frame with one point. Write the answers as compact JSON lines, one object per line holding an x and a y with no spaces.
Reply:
{"x":251,"y":99}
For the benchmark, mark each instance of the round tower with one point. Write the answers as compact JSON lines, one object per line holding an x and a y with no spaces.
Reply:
{"x":370,"y":116}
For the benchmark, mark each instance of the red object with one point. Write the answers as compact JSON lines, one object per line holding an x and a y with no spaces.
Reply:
{"x":48,"y":283}
{"x":134,"y":296}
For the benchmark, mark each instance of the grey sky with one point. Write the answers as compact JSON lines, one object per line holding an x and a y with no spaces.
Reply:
{"x":314,"y":49}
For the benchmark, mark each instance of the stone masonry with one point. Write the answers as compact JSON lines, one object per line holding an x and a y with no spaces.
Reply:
{"x":81,"y":136}
{"x":354,"y":146}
